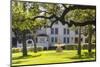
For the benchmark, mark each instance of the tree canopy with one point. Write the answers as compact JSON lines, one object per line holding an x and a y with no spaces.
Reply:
{"x":21,"y":17}
{"x":62,"y":13}
{"x":29,"y":12}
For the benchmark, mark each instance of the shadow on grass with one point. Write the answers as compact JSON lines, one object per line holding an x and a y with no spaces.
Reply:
{"x":17,"y":62}
{"x":85,"y":55}
{"x":82,"y":57}
{"x":26,"y":57}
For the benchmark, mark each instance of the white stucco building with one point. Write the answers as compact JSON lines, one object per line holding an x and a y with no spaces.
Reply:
{"x":59,"y":33}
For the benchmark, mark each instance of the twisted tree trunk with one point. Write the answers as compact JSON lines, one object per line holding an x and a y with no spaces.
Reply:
{"x":24,"y":44}
{"x":34,"y":39}
{"x":89,"y":40}
{"x":35,"y":46}
{"x":79,"y":43}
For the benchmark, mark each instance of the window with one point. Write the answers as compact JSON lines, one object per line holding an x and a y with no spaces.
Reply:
{"x":72,"y":38}
{"x":81,"y":39}
{"x":20,"y":41}
{"x":64,"y":40}
{"x":52,"y":30}
{"x":67,"y":31}
{"x":56,"y":30}
{"x":76,"y":31}
{"x":64,"y":30}
{"x":52,"y":39}
{"x":55,"y":39}
{"x":67,"y":39}
{"x":76,"y":39}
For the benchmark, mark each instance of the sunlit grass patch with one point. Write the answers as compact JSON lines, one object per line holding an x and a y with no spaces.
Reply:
{"x":45,"y":57}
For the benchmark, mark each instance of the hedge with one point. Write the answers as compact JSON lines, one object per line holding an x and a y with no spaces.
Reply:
{"x":38,"y":49}
{"x":83,"y":46}
{"x":16,"y":50}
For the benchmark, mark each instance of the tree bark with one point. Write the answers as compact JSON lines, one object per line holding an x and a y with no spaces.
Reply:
{"x":35,"y":46}
{"x":24,"y":44}
{"x":34,"y":39}
{"x":79,"y":43}
{"x":89,"y":40}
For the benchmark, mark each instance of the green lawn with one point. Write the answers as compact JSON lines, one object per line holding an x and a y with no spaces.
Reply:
{"x":45,"y":57}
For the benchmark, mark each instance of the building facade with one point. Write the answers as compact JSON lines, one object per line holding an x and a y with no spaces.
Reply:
{"x":47,"y":37}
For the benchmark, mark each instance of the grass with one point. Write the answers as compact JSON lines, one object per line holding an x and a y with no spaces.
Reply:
{"x":45,"y":57}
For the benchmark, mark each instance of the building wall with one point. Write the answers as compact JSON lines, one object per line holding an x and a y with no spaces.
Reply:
{"x":69,"y":38}
{"x":61,"y":34}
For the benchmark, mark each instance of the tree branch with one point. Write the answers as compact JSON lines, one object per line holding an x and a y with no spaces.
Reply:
{"x":62,"y":19}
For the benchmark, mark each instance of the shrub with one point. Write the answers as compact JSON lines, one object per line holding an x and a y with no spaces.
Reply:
{"x":52,"y":47}
{"x":71,"y":47}
{"x":85,"y":46}
{"x":30,"y":49}
{"x":16,"y":50}
{"x":38,"y":49}
{"x":86,"y":54}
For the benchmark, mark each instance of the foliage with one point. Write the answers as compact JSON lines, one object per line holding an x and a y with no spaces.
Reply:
{"x":29,"y":10}
{"x":16,"y":50}
{"x":21,"y":17}
{"x":71,"y":47}
{"x":84,"y":46}
{"x":38,"y":49}
{"x":80,"y":15}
